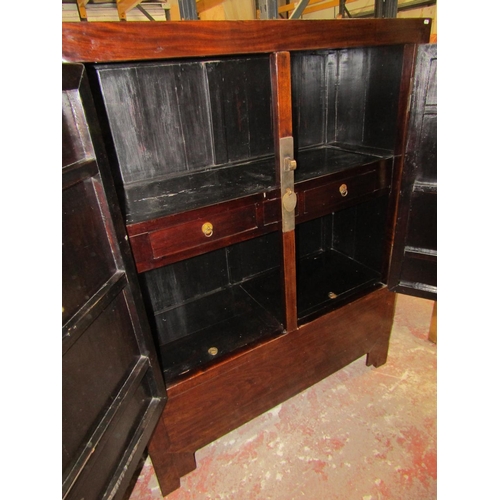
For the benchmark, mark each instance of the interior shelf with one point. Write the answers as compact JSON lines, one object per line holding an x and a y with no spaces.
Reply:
{"x":148,"y":200}
{"x":327,"y":159}
{"x":218,"y":324}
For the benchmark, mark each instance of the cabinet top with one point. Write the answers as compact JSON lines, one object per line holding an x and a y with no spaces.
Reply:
{"x":133,"y":41}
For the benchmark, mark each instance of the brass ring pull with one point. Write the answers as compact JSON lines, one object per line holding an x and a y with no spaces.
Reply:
{"x":207,"y":229}
{"x":343,"y":189}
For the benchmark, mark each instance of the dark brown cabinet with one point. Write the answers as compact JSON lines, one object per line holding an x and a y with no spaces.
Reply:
{"x":258,"y":175}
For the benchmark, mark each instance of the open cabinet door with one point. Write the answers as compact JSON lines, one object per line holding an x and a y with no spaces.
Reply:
{"x":414,"y":260}
{"x":112,"y":387}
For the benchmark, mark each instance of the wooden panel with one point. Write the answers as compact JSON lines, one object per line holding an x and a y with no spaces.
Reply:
{"x":240,"y":93}
{"x":84,"y":247}
{"x":414,"y":259}
{"x":380,"y":121}
{"x":282,"y":116}
{"x":189,"y":235}
{"x":257,"y":380}
{"x":96,"y":42}
{"x":309,"y":94}
{"x":177,"y":283}
{"x":328,"y":197}
{"x":351,"y":95}
{"x":113,"y":391}
{"x":165,"y":240}
{"x":159,"y":126}
{"x":92,"y":373}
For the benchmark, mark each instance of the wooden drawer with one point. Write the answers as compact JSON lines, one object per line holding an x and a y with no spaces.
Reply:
{"x":169,"y":239}
{"x":329,"y":196}
{"x":190,"y":234}
{"x":322,"y":196}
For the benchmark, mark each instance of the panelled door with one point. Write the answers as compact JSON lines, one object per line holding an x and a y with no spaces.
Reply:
{"x":414,"y":261}
{"x":112,"y":388}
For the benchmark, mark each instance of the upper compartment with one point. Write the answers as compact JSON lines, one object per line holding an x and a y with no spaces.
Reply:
{"x":189,"y":134}
{"x":345,"y":107}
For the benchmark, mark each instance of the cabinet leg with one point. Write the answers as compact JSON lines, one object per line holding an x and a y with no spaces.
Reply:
{"x":169,"y":467}
{"x":378,"y":354}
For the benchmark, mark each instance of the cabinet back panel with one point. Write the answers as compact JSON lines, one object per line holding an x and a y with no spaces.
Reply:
{"x":240,"y":92}
{"x":148,"y":128}
{"x":177,"y":283}
{"x":253,"y":257}
{"x":359,"y":232}
{"x":384,"y":77}
{"x":313,"y":236}
{"x":348,"y":96}
{"x":173,"y":118}
{"x":349,"y":102}
{"x":310,"y":95}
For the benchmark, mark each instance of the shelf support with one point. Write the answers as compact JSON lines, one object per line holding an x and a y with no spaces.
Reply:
{"x":82,"y":11}
{"x":299,"y":9}
{"x":386,"y":8}
{"x":145,"y":12}
{"x":188,"y":10}
{"x":124,"y":6}
{"x":268,"y":9}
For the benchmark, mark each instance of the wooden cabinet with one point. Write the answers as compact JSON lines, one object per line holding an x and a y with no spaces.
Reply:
{"x":257,"y":166}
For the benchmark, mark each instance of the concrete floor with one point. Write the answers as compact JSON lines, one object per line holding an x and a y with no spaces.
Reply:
{"x":360,"y":434}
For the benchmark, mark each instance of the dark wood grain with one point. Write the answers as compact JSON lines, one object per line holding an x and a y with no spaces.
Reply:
{"x":103,"y":42}
{"x":223,"y":397}
{"x":165,"y":240}
{"x":113,"y":392}
{"x":414,"y":259}
{"x":281,"y":80}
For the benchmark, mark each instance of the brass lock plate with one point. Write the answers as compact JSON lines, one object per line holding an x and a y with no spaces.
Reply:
{"x":288,"y":197}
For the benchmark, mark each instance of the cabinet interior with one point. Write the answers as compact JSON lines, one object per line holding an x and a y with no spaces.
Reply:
{"x":339,"y":257}
{"x":188,"y":134}
{"x":226,"y":299}
{"x":185,"y":135}
{"x":345,"y":106}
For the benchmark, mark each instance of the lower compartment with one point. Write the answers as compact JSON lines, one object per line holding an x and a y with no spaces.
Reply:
{"x":221,"y":323}
{"x":204,"y":406}
{"x":210,"y":306}
{"x":340,"y":257}
{"x":328,"y":280}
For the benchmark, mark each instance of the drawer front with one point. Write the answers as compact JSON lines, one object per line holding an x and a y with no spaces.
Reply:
{"x":202,"y":231}
{"x":335,"y":194}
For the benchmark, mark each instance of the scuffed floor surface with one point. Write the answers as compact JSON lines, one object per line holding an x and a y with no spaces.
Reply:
{"x":361,"y":434}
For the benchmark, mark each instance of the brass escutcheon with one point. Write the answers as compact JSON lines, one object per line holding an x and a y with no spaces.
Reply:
{"x":207,"y":229}
{"x":213,"y":351}
{"x":289,"y":200}
{"x":343,"y":189}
